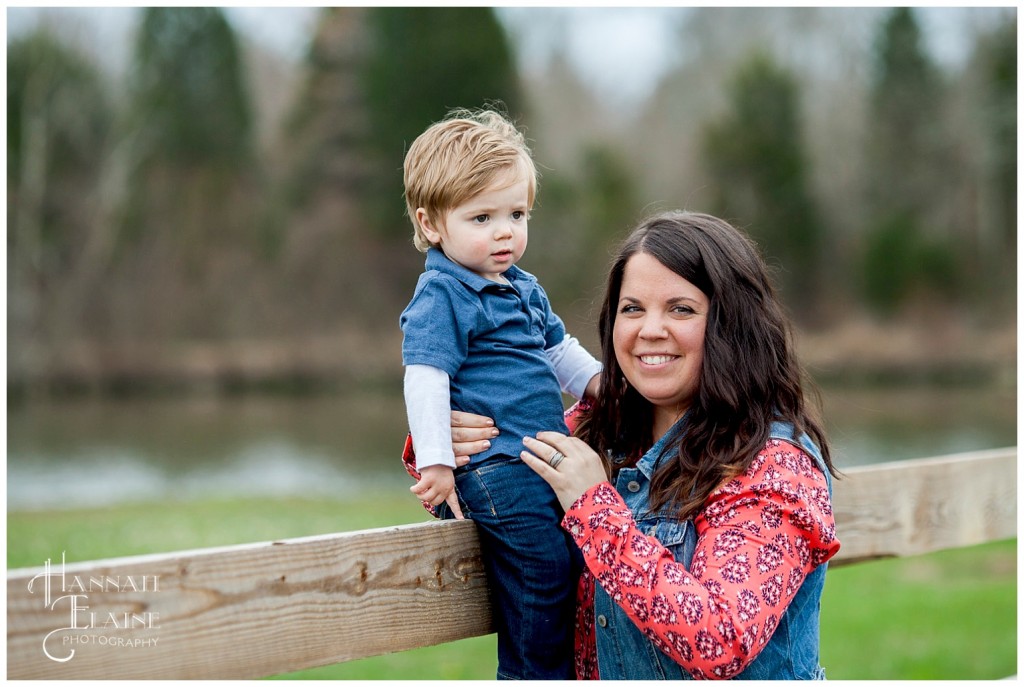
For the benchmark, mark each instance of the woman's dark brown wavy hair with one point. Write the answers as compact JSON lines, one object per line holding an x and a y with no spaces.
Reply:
{"x":749,"y":377}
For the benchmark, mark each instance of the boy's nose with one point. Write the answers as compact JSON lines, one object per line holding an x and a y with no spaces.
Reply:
{"x":502,"y":230}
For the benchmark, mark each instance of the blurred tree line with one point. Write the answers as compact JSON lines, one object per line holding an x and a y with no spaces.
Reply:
{"x":147,"y":213}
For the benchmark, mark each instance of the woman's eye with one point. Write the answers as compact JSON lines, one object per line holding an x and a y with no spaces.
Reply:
{"x":630,"y":308}
{"x":683,"y":310}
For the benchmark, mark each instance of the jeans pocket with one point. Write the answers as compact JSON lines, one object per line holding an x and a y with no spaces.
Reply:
{"x":467,"y":491}
{"x":473,"y":495}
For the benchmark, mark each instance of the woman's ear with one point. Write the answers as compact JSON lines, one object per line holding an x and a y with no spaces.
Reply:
{"x":429,"y":230}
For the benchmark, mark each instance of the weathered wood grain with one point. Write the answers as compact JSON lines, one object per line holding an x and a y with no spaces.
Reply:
{"x":263,"y":609}
{"x":912,"y":507}
{"x":257,"y":610}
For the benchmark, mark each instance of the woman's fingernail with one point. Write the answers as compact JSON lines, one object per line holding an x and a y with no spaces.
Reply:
{"x":487,"y":444}
{"x":494,"y":432}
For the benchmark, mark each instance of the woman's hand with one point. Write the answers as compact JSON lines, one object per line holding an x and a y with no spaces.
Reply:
{"x":471,"y":434}
{"x":579,"y":470}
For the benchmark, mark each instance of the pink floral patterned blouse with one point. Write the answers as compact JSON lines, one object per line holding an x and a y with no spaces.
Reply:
{"x":759,"y":535}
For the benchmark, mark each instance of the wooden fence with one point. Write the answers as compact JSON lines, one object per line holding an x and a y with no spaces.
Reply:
{"x":263,"y":609}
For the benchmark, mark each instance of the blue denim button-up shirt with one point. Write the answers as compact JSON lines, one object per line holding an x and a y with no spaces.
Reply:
{"x":490,"y":338}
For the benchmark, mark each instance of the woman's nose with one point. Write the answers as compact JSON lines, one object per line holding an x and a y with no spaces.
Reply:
{"x":653,"y":327}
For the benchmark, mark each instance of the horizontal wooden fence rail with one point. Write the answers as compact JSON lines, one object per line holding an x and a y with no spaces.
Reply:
{"x":263,"y":609}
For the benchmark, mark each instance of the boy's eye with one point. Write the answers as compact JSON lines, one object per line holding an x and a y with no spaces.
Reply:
{"x":480,"y":219}
{"x":518,"y":214}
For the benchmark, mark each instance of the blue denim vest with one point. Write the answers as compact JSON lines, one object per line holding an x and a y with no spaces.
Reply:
{"x":623,"y":653}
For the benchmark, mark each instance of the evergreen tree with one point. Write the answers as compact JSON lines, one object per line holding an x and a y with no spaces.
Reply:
{"x":193,"y":186}
{"x":576,"y":224}
{"x":755,"y":157}
{"x":327,"y":128}
{"x":422,"y":62}
{"x":907,"y":180}
{"x":608,"y":204}
{"x":319,"y":231}
{"x":905,"y":119}
{"x":187,"y":89}
{"x":58,"y":122}
{"x":190,"y":124}
{"x":999,"y":57}
{"x":375,"y":77}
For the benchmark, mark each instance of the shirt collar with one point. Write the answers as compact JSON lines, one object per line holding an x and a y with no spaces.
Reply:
{"x":650,"y":460}
{"x":437,"y":260}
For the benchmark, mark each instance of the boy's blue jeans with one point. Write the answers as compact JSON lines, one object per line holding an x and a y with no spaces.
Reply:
{"x":532,"y":566}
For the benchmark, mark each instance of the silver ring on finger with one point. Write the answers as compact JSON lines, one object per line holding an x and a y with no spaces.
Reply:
{"x":556,"y":459}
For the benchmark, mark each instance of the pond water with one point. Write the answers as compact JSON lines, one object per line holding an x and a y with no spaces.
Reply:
{"x":97,"y":452}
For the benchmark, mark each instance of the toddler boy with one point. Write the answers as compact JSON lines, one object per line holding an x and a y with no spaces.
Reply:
{"x":479,"y":335}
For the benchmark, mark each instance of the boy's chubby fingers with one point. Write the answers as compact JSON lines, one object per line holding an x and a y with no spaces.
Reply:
{"x":453,"y":503}
{"x":429,"y":495}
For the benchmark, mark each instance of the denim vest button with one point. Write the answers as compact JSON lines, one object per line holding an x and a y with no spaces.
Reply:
{"x":633,"y":486}
{"x":602,"y":621}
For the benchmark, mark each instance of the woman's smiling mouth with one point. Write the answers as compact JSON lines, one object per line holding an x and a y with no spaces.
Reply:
{"x":656,"y":359}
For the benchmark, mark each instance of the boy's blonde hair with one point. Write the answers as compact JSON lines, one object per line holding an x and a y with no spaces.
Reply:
{"x":466,"y":153}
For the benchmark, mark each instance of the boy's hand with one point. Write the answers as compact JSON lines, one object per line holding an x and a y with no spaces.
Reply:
{"x":437,"y":486}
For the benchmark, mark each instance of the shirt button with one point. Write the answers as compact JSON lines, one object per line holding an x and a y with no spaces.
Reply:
{"x":602,"y":621}
{"x":633,"y":486}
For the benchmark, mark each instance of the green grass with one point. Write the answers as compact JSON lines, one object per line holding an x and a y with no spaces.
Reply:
{"x":142,"y":528}
{"x":948,"y":615}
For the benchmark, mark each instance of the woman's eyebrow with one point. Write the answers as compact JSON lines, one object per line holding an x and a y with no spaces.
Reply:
{"x":669,"y":301}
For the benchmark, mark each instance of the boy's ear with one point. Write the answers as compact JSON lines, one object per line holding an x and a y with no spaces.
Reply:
{"x":428,"y":227}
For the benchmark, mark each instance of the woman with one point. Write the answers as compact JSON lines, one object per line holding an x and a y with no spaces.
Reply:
{"x":707,"y":527}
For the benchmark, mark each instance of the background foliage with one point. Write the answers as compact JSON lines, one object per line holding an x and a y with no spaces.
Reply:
{"x":755,"y":156}
{"x":216,"y":196}
{"x":470,"y":64}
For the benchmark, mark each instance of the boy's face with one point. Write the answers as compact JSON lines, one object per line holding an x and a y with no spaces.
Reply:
{"x":487,"y":233}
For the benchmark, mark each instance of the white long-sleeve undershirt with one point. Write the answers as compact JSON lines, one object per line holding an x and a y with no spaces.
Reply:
{"x":428,"y":398}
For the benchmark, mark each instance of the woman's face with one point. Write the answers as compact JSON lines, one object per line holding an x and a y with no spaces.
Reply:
{"x":659,"y":336}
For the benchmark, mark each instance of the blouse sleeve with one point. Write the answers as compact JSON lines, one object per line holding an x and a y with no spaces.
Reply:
{"x":759,"y":535}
